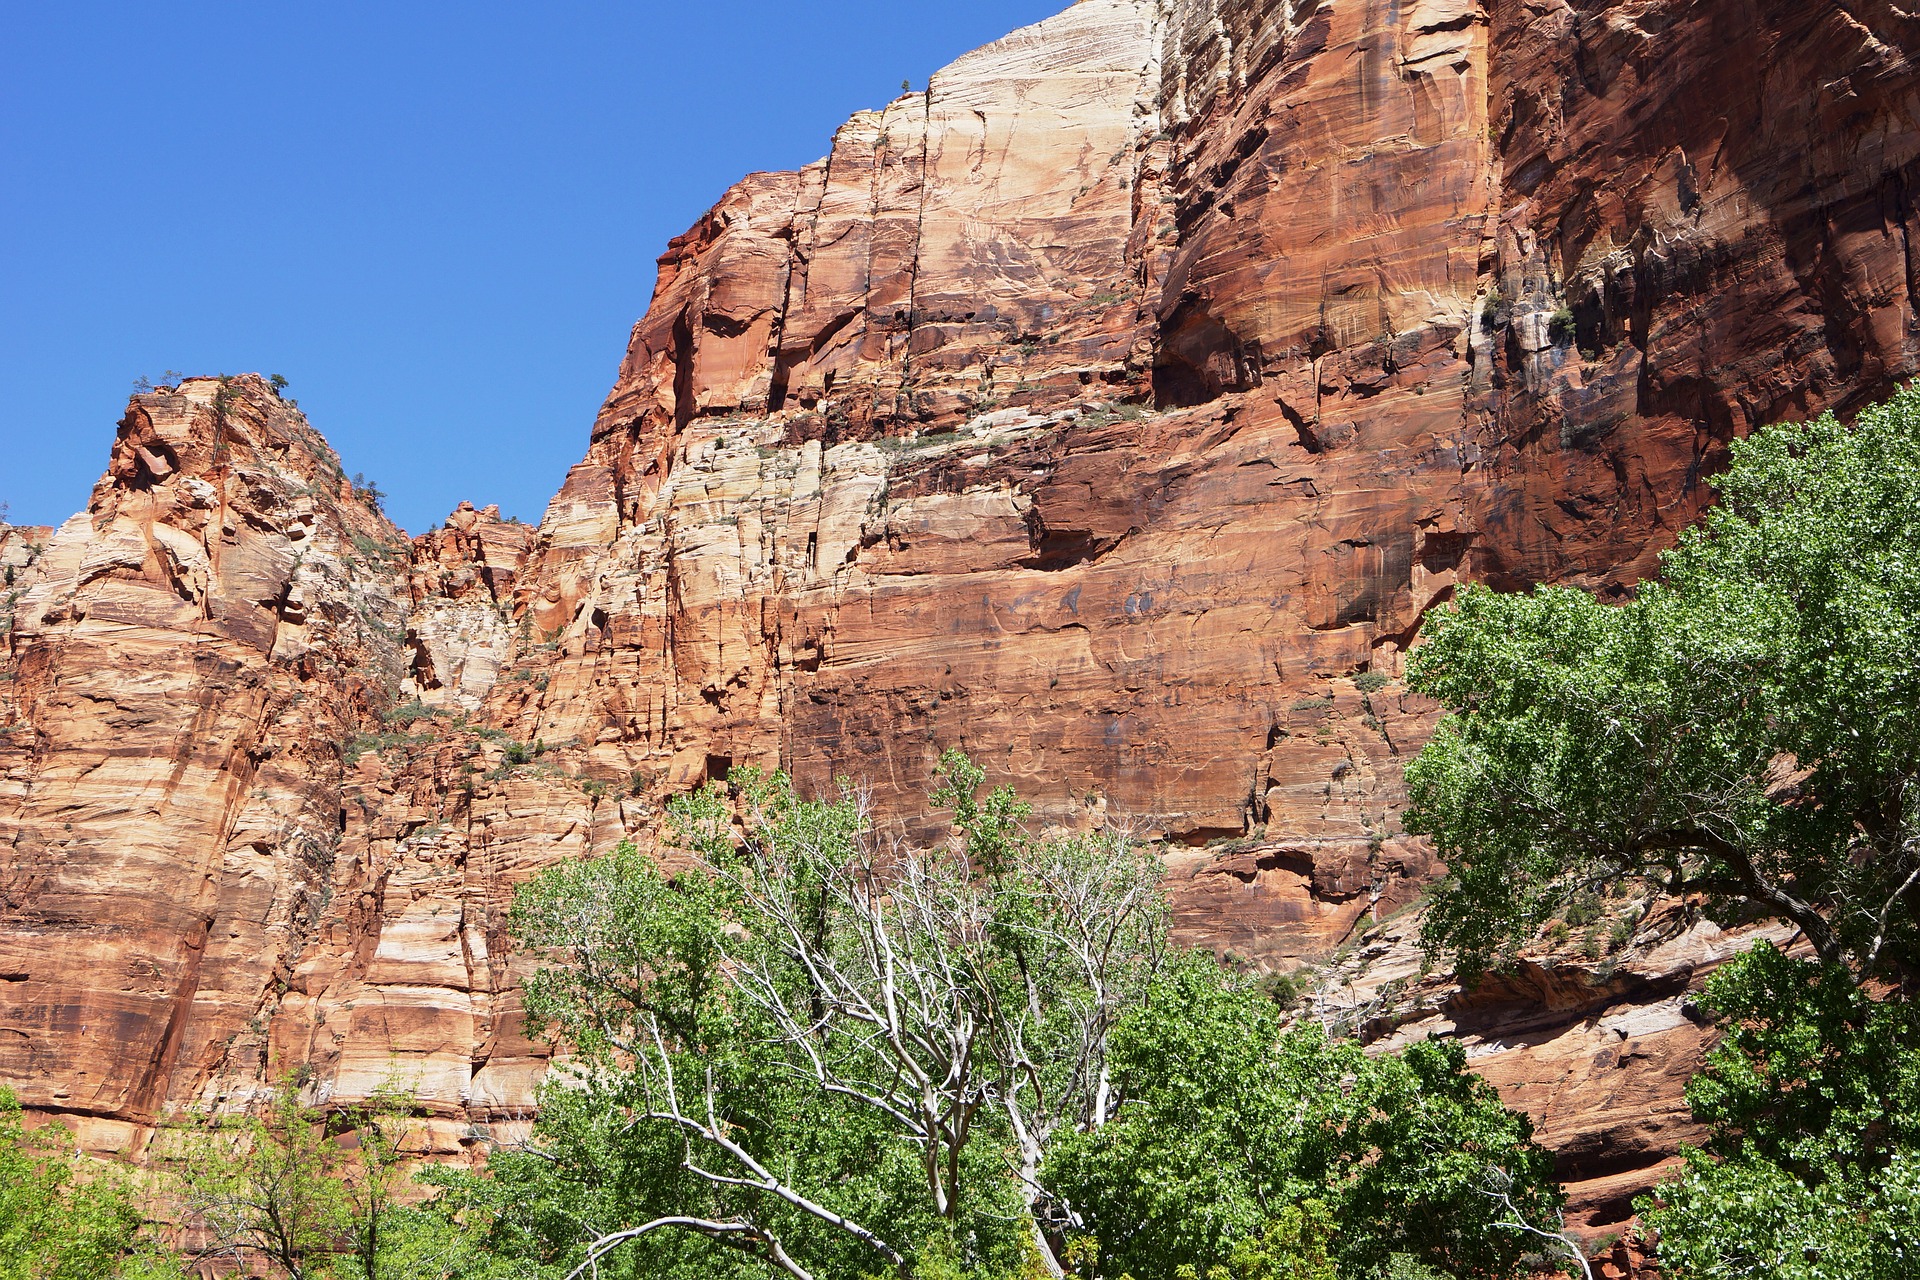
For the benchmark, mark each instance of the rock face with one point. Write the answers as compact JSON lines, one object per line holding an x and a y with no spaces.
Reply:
{"x":1113,"y":409}
{"x":184,"y":655}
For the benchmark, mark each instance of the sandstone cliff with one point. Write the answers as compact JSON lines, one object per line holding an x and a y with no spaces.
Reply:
{"x":1113,"y":409}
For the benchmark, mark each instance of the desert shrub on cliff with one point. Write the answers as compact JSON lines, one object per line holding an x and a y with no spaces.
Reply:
{"x":55,"y":1225}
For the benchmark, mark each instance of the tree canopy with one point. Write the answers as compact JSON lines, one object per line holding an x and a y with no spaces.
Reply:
{"x":1746,"y":728}
{"x":1812,"y":1098}
{"x":1231,"y":1123}
{"x":800,"y":1045}
{"x":829,"y":1050}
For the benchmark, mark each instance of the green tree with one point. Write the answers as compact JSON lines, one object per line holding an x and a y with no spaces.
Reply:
{"x":56,"y":1226}
{"x":1812,"y":1098}
{"x":1234,"y":1135}
{"x":460,"y":1229}
{"x":369,"y":492}
{"x":1747,"y":728}
{"x":822,"y":1051}
{"x":267,"y":1187}
{"x":374,"y":1178}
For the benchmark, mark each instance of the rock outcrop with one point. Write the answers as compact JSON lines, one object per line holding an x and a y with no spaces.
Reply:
{"x":183,"y":659}
{"x":1114,"y":409}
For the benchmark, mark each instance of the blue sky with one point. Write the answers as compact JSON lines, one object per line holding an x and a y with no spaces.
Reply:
{"x":437,"y":220}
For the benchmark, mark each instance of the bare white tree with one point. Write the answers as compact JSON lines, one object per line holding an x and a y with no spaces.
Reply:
{"x":1553,"y":1237}
{"x":939,"y":991}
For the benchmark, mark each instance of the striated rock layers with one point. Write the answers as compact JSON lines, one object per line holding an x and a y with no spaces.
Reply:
{"x":1113,"y":409}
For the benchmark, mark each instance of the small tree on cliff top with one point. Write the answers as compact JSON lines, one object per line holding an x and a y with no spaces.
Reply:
{"x":1748,"y":728}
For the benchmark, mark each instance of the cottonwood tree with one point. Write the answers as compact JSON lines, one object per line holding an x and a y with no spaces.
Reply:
{"x":832,"y":1050}
{"x":265,"y":1187}
{"x":294,"y":1188}
{"x":1812,"y":1105}
{"x":1747,"y":728}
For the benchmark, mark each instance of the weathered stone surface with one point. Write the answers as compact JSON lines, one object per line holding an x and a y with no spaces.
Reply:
{"x":182,"y":666}
{"x":1114,"y":409}
{"x":460,"y":629}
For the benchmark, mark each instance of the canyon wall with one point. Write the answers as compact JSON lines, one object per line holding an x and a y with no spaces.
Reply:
{"x":1113,"y":409}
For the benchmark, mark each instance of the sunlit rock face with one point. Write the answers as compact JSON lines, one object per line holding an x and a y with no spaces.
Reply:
{"x":1114,"y":408}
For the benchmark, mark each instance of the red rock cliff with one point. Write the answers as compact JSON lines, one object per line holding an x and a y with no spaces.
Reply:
{"x":1105,"y":409}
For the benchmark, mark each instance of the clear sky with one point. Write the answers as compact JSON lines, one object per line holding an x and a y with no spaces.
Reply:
{"x":437,"y":220}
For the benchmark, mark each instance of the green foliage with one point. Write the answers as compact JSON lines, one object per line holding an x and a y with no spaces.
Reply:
{"x":1811,"y":1071}
{"x":1370,"y":681}
{"x":1231,"y":1123}
{"x":815,"y":1041}
{"x":266,"y":1187}
{"x":223,"y":401}
{"x":361,"y":743}
{"x":1404,"y":1266}
{"x":284,"y":1189}
{"x":1751,"y":1218}
{"x":56,"y":1226}
{"x":1561,"y":326}
{"x":881,"y":1061}
{"x":366,"y":491}
{"x":1295,"y":1245}
{"x":1586,"y":908}
{"x":374,"y":1179}
{"x":409,"y":712}
{"x":1812,"y":1170}
{"x":992,"y":827}
{"x":1748,"y":728}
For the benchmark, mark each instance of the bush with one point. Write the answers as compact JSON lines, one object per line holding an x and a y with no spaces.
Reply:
{"x":1561,"y":327}
{"x":54,"y":1226}
{"x":408,"y":712}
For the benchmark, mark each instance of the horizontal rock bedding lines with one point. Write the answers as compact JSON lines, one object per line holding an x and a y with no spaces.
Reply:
{"x":1114,"y":409}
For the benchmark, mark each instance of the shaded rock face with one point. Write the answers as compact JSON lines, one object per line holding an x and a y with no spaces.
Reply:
{"x":1113,"y":409}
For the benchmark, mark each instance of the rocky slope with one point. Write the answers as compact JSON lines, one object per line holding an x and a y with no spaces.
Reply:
{"x":1113,"y":409}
